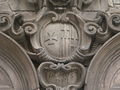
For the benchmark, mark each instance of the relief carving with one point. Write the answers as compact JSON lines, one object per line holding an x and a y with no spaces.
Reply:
{"x":104,"y":72}
{"x":59,"y":43}
{"x":5,"y":21}
{"x":14,"y":67}
{"x":61,"y":37}
{"x":60,"y":76}
{"x":5,"y":82}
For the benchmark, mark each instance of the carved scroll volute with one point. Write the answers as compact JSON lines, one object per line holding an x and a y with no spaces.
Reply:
{"x":17,"y":31}
{"x":103,"y":32}
{"x":98,"y":31}
{"x":20,"y":28}
{"x":61,"y":76}
{"x":5,"y":21}
{"x":114,"y":22}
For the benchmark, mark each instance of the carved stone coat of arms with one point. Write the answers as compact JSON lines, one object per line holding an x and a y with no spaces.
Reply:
{"x":59,"y":45}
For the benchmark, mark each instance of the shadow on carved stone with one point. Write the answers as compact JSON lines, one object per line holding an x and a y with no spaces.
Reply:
{"x":16,"y":69}
{"x":104,"y":70}
{"x":61,"y":76}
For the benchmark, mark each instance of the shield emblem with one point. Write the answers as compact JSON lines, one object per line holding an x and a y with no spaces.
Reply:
{"x":60,"y":40}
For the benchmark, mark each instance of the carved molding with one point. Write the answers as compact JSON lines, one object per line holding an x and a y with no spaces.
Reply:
{"x":65,"y":34}
{"x":103,"y":73}
{"x":16,"y":70}
{"x":61,"y":76}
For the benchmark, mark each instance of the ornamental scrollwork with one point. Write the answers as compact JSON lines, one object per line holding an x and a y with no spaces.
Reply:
{"x":58,"y":76}
{"x":114,"y":22}
{"x":5,"y":21}
{"x":60,"y":36}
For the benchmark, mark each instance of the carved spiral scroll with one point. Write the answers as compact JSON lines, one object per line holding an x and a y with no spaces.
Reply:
{"x":17,"y":30}
{"x":29,"y":28}
{"x":5,"y":21}
{"x":21,"y":28}
{"x":91,"y":28}
{"x":114,"y":22}
{"x":95,"y":30}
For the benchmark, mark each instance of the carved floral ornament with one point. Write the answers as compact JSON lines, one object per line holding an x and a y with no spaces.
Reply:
{"x":60,"y":37}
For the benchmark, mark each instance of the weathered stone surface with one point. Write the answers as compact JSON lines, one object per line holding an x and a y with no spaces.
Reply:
{"x":104,"y":72}
{"x":16,"y":70}
{"x":61,"y":37}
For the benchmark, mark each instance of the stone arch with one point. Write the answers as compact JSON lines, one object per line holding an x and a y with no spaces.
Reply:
{"x":16,"y":69}
{"x":103,"y":72}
